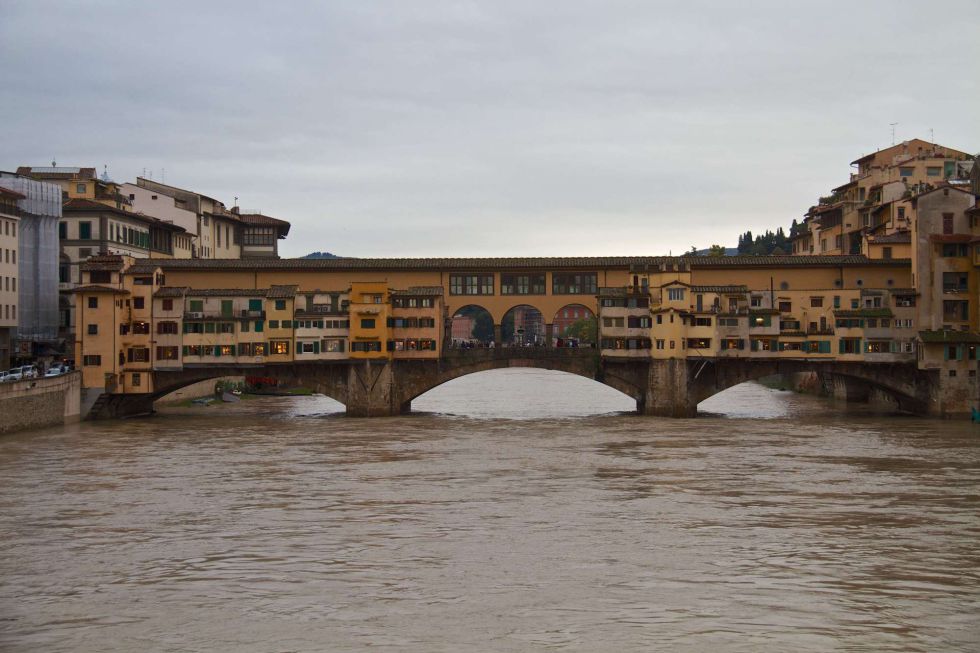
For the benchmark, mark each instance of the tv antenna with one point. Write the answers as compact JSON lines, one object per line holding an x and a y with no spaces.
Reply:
{"x":893,"y":131}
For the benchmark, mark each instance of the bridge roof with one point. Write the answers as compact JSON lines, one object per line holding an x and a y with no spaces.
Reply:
{"x":419,"y":291}
{"x":508,"y":263}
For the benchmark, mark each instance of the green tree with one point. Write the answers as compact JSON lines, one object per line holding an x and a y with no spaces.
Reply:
{"x":716,"y":251}
{"x":585,"y":330}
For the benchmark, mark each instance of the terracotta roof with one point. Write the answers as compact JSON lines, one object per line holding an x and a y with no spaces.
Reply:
{"x":953,"y":337}
{"x":546,"y":263}
{"x":898,"y":237}
{"x":12,"y":194}
{"x":225,"y":292}
{"x":61,"y":172}
{"x":721,"y":289}
{"x":265,"y":221}
{"x":109,"y":262}
{"x":171,"y":291}
{"x":99,"y":289}
{"x":282,"y":292}
{"x":419,"y":291}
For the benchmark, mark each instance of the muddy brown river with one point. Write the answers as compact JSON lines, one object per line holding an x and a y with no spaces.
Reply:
{"x":517,"y":510}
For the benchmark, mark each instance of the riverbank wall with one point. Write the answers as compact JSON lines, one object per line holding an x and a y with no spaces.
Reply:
{"x":36,"y":403}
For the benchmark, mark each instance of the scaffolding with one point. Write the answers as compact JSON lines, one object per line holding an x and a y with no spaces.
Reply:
{"x":37,"y":259}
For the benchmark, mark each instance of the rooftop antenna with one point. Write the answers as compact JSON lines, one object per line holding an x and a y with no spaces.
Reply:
{"x":236,"y":200}
{"x":932,"y":137}
{"x":893,"y":131}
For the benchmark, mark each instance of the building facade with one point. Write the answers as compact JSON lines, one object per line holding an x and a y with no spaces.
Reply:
{"x":9,"y":221}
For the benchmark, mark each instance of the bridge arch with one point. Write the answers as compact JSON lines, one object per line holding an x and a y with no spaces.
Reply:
{"x":575,"y":320}
{"x":852,"y":380}
{"x":471,"y":322}
{"x":522,"y":325}
{"x":579,"y":362}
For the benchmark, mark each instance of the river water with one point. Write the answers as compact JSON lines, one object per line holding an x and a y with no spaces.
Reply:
{"x":518,"y":510}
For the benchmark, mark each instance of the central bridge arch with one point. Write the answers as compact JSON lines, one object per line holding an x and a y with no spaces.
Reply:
{"x":418,"y":377}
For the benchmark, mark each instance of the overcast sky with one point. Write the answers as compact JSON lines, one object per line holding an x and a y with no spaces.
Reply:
{"x":488,"y":128}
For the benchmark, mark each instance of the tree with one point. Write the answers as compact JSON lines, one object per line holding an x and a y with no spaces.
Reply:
{"x":716,"y":251}
{"x":585,"y":329}
{"x":693,"y":252}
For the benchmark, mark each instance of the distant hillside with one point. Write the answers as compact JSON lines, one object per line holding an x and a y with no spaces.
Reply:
{"x":729,"y":251}
{"x":321,"y":255}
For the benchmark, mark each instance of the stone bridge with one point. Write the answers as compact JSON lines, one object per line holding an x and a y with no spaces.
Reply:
{"x":670,"y":388}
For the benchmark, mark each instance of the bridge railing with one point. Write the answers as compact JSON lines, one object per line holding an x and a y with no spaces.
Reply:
{"x":511,"y":353}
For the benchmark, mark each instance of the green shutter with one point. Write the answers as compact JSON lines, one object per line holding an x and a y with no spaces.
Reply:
{"x":259,"y":326}
{"x":185,"y":350}
{"x":255,"y":304}
{"x":316,"y":347}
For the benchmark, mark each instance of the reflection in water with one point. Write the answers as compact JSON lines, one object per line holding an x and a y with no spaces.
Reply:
{"x":275,"y":525}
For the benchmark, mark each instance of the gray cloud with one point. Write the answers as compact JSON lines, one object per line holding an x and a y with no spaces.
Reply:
{"x":477,"y":128}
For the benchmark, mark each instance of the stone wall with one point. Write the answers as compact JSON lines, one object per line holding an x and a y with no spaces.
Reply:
{"x":36,"y":403}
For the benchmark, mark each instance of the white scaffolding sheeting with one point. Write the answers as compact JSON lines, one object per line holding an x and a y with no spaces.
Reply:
{"x":37,"y":258}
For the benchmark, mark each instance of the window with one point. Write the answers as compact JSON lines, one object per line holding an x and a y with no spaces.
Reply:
{"x":906,"y":172}
{"x":471,"y":284}
{"x":197,"y":305}
{"x":367,"y":323}
{"x":947,"y":223}
{"x":574,"y":283}
{"x":273,"y":324}
{"x":85,"y":230}
{"x":934,"y":171}
{"x":333,"y":346}
{"x":138,"y":302}
{"x":365,"y":346}
{"x":675,"y":294}
{"x":166,"y":353}
{"x":522,"y":284}
{"x":901,"y":213}
{"x":279,"y":347}
{"x":168,"y":304}
{"x":63,"y":230}
{"x":280,"y":304}
{"x":93,"y":329}
{"x":785,"y":307}
{"x":92,"y":360}
{"x":93,"y":302}
{"x":167,"y":327}
{"x":816,"y":302}
{"x":138,"y":355}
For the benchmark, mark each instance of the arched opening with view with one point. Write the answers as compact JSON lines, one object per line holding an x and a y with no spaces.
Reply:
{"x":523,"y":393}
{"x":574,"y":325}
{"x":523,"y":326}
{"x":472,"y":325}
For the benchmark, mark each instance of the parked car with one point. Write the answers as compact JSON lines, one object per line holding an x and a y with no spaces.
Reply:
{"x":15,"y":374}
{"x":4,"y":376}
{"x":55,"y":370}
{"x":29,"y":372}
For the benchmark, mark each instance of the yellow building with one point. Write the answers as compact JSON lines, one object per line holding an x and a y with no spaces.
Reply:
{"x":9,"y":223}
